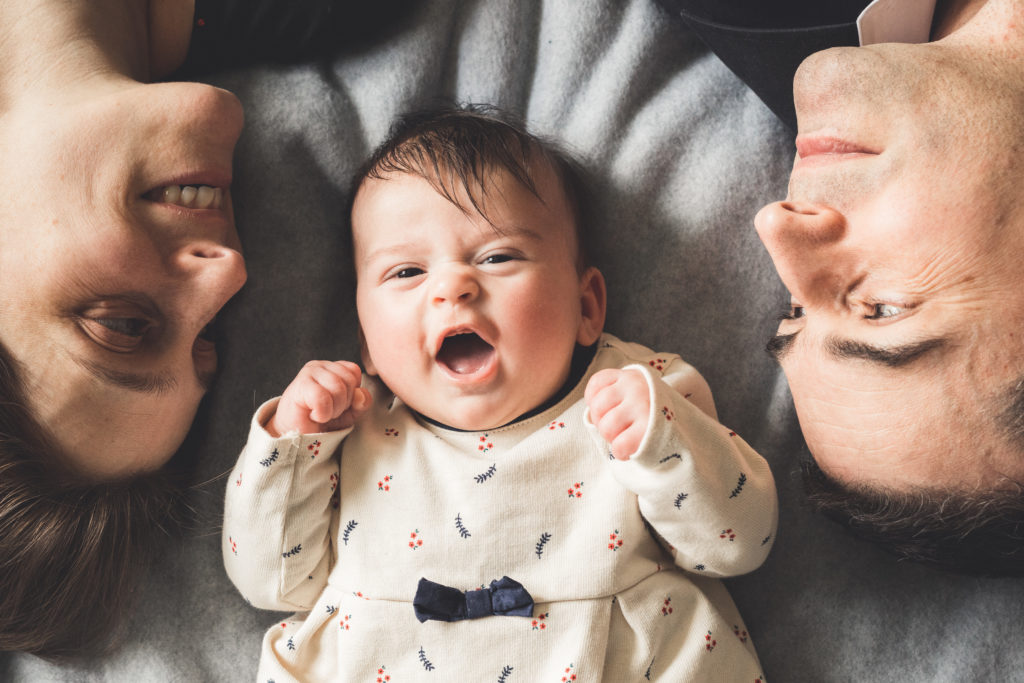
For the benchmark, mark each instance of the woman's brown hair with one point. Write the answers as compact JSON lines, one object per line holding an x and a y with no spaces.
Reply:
{"x":71,"y":550}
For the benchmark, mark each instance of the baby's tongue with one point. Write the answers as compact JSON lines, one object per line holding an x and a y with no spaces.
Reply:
{"x":464,"y":353}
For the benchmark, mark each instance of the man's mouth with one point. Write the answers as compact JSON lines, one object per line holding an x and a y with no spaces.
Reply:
{"x":464,"y":353}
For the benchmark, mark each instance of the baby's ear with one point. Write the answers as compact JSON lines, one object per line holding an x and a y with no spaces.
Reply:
{"x":364,"y":353}
{"x":593,"y":303}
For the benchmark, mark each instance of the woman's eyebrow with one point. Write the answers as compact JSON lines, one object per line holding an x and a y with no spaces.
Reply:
{"x":899,"y":356}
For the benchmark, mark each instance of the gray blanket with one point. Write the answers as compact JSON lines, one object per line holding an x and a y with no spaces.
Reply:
{"x":683,"y":155}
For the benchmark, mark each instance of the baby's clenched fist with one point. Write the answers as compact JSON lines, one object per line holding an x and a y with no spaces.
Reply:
{"x":620,"y":408}
{"x":324,"y":397}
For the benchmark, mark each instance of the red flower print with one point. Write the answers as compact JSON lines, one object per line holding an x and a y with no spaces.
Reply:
{"x":484,"y":444}
{"x":666,"y":607}
{"x":385,"y":483}
{"x":415,"y":542}
{"x":238,"y":482}
{"x":344,"y":622}
{"x":658,"y":364}
{"x":570,"y":674}
{"x":538,"y":623}
{"x":575,"y":491}
{"x":727,"y":534}
{"x":390,"y":432}
{"x":742,"y":635}
{"x":556,"y":424}
{"x":234,"y":546}
{"x":315,"y":447}
{"x":709,"y":642}
{"x":381,"y":676}
{"x":667,"y":413}
{"x":614,"y":541}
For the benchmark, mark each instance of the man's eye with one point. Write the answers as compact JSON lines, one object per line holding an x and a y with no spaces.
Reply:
{"x":409,"y":272}
{"x":880,"y":311}
{"x":793,"y":313}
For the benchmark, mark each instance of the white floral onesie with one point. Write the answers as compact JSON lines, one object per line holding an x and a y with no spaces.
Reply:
{"x":619,"y":557}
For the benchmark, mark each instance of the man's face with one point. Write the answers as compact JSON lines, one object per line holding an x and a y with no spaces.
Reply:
{"x":902,"y":245}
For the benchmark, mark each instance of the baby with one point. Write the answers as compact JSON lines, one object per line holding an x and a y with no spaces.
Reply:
{"x":505,"y":497}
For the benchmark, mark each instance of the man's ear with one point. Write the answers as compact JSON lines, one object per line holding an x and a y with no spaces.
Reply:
{"x":593,"y":305}
{"x":364,"y":353}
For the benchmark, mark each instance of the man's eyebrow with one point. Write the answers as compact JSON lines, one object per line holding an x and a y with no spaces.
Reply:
{"x":142,"y":382}
{"x":898,"y":356}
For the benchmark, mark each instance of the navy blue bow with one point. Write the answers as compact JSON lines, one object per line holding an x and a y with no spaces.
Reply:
{"x":505,"y":597}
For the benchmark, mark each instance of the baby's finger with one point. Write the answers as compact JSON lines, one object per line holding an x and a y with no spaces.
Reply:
{"x":348,"y":372}
{"x":361,"y":399}
{"x":599,"y":381}
{"x":628,"y":442}
{"x":320,"y":402}
{"x":602,"y":401}
{"x":338,"y":385}
{"x":614,"y":422}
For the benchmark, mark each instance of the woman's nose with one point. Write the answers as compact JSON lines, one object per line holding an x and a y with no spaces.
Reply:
{"x":807,"y":246}
{"x":455,"y":285}
{"x":214,"y":273}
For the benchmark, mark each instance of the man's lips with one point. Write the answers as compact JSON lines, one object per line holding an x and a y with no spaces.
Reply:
{"x":823,"y":149}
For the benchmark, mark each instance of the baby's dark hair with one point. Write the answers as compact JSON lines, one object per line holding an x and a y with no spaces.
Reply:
{"x":456,"y":147}
{"x":71,"y":552}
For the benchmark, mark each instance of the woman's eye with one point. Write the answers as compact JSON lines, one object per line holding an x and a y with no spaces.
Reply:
{"x":881,"y":311}
{"x":130,"y":327}
{"x":120,"y":334}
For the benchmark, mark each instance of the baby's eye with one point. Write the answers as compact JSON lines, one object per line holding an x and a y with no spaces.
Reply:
{"x":409,"y":272}
{"x":881,"y":311}
{"x":499,"y":258}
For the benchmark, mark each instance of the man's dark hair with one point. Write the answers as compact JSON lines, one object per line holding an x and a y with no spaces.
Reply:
{"x":979,"y":533}
{"x":457,"y":147}
{"x":71,"y":551}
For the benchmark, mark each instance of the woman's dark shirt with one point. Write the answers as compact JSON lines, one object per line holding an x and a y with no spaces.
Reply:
{"x":236,"y":33}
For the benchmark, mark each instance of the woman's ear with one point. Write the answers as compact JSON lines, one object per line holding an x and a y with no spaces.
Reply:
{"x":593,"y":303}
{"x":364,"y":353}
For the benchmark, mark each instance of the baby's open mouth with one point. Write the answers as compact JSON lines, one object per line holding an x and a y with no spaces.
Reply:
{"x":464,"y":353}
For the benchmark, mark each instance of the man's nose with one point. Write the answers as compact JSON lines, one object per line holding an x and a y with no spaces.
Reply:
{"x":806,"y":243}
{"x":213,"y":272}
{"x":455,"y":284}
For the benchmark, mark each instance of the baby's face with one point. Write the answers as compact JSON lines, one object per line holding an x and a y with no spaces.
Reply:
{"x":471,"y":324}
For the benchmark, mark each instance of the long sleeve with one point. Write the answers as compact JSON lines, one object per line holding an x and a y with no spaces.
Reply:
{"x":707,"y":494}
{"x":279,"y":504}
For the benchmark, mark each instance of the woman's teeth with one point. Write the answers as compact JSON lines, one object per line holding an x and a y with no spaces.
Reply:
{"x":191,"y":196}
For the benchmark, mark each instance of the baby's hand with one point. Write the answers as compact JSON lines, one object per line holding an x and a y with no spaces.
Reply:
{"x":323,"y":397}
{"x":620,"y":407}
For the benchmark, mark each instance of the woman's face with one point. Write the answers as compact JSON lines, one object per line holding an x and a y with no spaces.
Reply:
{"x":106,"y":280}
